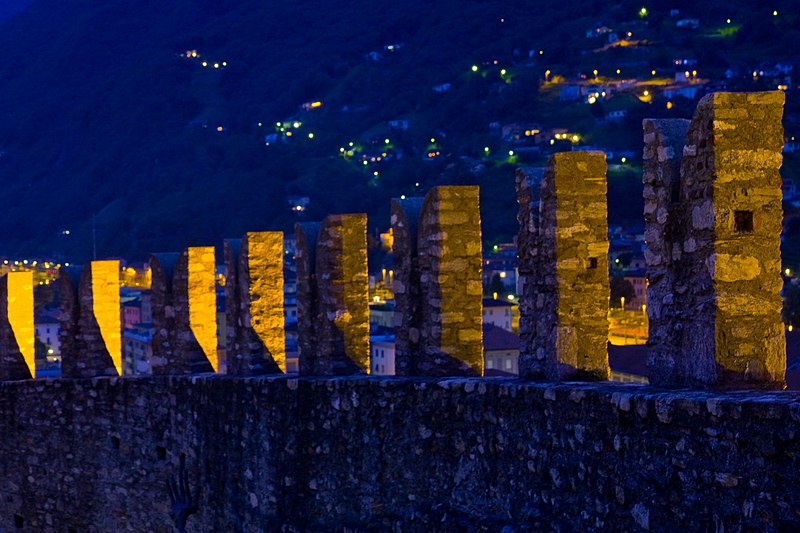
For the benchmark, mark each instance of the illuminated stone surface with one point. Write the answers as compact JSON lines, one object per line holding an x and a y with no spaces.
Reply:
{"x":343,"y":295}
{"x":256,"y":341}
{"x":713,"y":243}
{"x":567,"y":298}
{"x":91,"y":325}
{"x":183,"y":307}
{"x":451,"y":292}
{"x":106,"y":307}
{"x":17,"y":340}
{"x":202,"y":297}
{"x":406,"y":287}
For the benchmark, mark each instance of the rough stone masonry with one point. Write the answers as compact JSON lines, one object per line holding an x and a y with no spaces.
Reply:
{"x":713,"y":243}
{"x":184,"y":312}
{"x":437,"y":283}
{"x":564,"y":255}
{"x":333,"y":296}
{"x":256,"y":342}
{"x":450,"y":289}
{"x":395,"y":454}
{"x":17,"y":348}
{"x":91,"y":332}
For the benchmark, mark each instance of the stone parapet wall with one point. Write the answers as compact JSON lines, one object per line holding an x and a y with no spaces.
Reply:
{"x":395,"y":454}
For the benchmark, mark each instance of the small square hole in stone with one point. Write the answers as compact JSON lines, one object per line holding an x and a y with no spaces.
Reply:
{"x":19,"y":522}
{"x":592,"y":263}
{"x":161,"y":452}
{"x":115,"y":442}
{"x":743,"y":221}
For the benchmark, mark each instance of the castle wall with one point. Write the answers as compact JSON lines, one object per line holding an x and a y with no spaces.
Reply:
{"x":394,"y":454}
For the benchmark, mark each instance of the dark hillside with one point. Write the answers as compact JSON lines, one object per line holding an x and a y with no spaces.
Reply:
{"x":106,"y":118}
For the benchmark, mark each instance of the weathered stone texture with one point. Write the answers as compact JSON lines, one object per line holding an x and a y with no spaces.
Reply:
{"x":528,"y":189}
{"x":164,"y":360}
{"x":569,"y":282}
{"x":92,"y":314}
{"x":405,"y":214}
{"x":201,"y":291}
{"x":306,"y":235}
{"x":17,"y":348}
{"x":68,"y":314}
{"x":664,"y":235}
{"x":283,"y":454}
{"x":451,"y":292}
{"x":254,"y":304}
{"x":342,"y":332}
{"x":727,"y":330}
{"x":184,"y":312}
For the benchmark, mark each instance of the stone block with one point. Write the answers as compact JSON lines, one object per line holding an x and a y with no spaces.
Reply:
{"x":405,"y":218}
{"x":724,"y":219}
{"x":449,"y":262}
{"x":564,"y":252}
{"x":342,"y":315}
{"x":184,"y":312}
{"x":254,"y":304}
{"x":91,"y":313}
{"x":17,"y":340}
{"x":306,"y":235}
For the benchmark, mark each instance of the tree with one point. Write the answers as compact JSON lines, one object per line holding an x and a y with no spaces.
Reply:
{"x":620,"y":288}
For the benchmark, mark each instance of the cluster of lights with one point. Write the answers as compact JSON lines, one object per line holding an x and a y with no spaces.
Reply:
{"x":215,"y":64}
{"x":433,"y":154}
{"x":531,"y":133}
{"x":574,"y":137}
{"x":595,"y":96}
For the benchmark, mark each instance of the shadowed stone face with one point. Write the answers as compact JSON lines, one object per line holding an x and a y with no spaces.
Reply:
{"x":569,"y":272}
{"x":405,"y":284}
{"x":663,"y":213}
{"x":306,"y":235}
{"x":17,"y":341}
{"x":451,"y":292}
{"x":715,"y":260}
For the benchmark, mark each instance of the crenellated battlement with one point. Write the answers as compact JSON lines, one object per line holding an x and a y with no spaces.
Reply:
{"x":439,"y":447}
{"x":713,"y":213}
